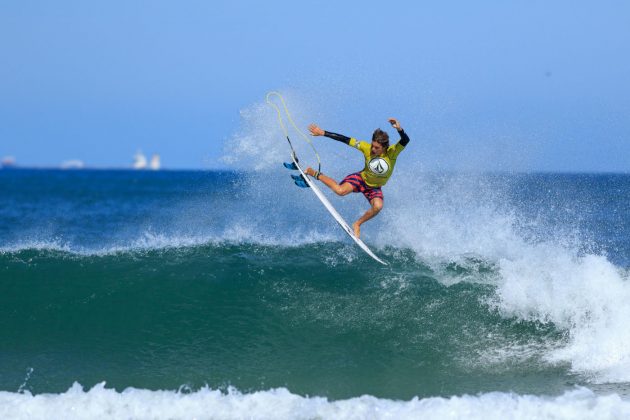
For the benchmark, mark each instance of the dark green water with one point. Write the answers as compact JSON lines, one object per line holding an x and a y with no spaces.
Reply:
{"x":243,"y":316}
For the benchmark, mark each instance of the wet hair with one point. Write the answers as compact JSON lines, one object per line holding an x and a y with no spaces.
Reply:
{"x":381,"y":137}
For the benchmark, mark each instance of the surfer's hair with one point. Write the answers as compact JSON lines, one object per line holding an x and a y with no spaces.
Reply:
{"x":381,"y":137}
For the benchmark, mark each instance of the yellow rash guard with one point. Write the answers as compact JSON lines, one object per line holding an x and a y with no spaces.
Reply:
{"x":377,"y":169}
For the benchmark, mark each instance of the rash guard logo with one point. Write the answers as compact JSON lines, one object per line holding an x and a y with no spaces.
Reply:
{"x":379,"y":166}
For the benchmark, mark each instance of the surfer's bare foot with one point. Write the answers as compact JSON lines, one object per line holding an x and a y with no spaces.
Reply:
{"x":357,"y":229}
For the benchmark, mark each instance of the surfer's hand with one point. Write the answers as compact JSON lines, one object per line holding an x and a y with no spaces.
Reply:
{"x":394,"y":122}
{"x":315,"y":130}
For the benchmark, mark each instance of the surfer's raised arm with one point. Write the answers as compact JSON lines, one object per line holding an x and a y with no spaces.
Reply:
{"x":404,"y":138}
{"x":316,"y":131}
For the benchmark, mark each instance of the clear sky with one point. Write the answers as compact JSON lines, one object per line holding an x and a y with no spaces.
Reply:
{"x":528,"y":85}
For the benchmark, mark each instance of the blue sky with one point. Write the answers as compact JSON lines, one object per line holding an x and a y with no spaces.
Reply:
{"x":526,"y":85}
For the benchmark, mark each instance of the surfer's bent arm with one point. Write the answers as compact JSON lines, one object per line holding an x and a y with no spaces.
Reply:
{"x":404,"y":138}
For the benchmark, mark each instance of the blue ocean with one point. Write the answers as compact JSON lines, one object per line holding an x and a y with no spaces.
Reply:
{"x":234,"y":294}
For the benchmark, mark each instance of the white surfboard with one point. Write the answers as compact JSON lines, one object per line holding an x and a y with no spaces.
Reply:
{"x":335,"y":213}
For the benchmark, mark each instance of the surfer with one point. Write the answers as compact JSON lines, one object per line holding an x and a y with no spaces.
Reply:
{"x":380,"y":159}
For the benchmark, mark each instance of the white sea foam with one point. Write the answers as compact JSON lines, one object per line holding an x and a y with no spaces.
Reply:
{"x":585,"y":295}
{"x":103,"y":403}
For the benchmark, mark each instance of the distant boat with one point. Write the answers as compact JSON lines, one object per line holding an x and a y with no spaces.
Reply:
{"x":73,"y":164}
{"x":8,"y":162}
{"x":139,"y":161}
{"x":155,"y":162}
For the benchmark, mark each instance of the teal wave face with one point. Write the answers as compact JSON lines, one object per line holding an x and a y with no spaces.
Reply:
{"x":158,"y":280}
{"x":258,"y":317}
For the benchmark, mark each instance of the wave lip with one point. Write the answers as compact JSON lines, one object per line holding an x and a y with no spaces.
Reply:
{"x":150,"y":241}
{"x":103,"y":403}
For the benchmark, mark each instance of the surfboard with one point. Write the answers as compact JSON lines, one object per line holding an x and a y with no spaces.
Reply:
{"x":346,"y":228}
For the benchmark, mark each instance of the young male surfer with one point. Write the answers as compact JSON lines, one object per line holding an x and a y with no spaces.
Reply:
{"x":380,"y":159}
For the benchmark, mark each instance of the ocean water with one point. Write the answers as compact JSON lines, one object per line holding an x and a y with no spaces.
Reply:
{"x":234,"y":294}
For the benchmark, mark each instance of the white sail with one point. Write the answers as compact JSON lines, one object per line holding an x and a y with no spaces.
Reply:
{"x":139,"y":161}
{"x":155,"y":162}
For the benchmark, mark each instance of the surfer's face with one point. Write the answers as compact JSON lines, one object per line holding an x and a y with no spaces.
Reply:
{"x":377,"y":148}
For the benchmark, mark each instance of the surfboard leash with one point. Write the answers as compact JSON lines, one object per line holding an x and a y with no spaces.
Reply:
{"x":284,"y":128}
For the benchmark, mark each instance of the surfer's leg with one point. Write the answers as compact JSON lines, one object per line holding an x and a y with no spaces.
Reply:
{"x":343,"y":189}
{"x":376,"y":206}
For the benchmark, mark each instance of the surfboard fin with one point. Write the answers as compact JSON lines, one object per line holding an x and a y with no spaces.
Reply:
{"x":298,"y":178}
{"x":290,"y":165}
{"x":301,"y":183}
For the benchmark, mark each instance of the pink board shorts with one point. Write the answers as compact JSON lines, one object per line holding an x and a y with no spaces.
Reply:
{"x":359,"y":185}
